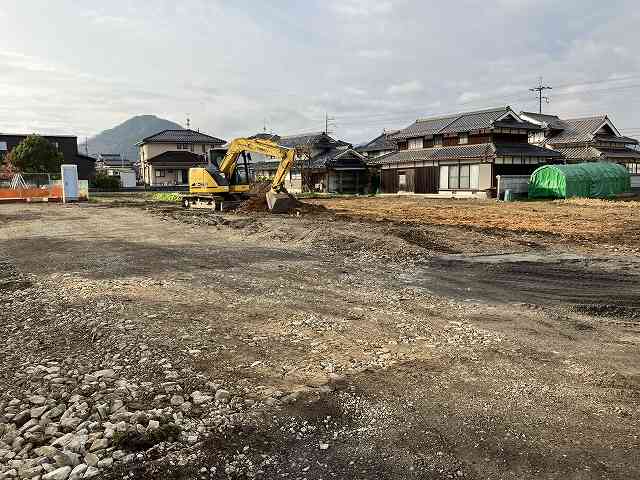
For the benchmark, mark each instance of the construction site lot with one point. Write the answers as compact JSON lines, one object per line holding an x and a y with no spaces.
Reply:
{"x":356,"y":338}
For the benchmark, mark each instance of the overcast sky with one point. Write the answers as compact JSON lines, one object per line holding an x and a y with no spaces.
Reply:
{"x":79,"y":67}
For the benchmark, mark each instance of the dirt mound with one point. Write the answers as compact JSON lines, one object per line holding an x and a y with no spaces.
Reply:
{"x":257,"y":202}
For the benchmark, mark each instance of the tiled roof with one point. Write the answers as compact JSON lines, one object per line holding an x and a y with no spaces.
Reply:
{"x":381,"y":142}
{"x":265,"y":136}
{"x":525,"y":150}
{"x":321,"y":160}
{"x":314,"y":138}
{"x":623,"y":153}
{"x":475,"y":151}
{"x":462,"y":122}
{"x":614,"y":139}
{"x":182,"y":136}
{"x":424,"y":127}
{"x":474,"y":120}
{"x":552,"y":121}
{"x":478,"y":150}
{"x":181,"y":156}
{"x":577,"y":130}
{"x":592,"y":153}
{"x":579,"y":153}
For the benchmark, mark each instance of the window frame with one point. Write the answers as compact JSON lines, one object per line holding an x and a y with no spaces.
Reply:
{"x":415,"y":143}
{"x":159,"y":173}
{"x":454,"y":178}
{"x":463,"y":139}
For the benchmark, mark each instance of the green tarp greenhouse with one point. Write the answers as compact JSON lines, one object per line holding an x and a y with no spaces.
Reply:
{"x":591,"y":180}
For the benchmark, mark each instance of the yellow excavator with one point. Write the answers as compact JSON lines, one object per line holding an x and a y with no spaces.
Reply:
{"x":218,"y":186}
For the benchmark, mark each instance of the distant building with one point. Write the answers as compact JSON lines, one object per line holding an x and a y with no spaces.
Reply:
{"x":65,"y":144}
{"x":114,"y":165}
{"x":381,"y":145}
{"x":323,"y":164}
{"x":585,"y":139}
{"x":106,"y":160}
{"x":167,"y":156}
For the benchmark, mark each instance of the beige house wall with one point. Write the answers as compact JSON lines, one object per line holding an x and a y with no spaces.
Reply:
{"x":151,"y":150}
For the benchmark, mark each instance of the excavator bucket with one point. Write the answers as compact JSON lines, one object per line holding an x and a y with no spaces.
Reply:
{"x":280,"y":202}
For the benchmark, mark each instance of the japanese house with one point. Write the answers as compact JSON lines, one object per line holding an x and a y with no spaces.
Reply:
{"x":585,"y":139}
{"x":167,"y":156}
{"x":461,"y":154}
{"x":323,"y":164}
{"x":381,"y":145}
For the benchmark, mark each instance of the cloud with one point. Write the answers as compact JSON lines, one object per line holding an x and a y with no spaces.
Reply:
{"x":371,"y":64}
{"x":413,"y":86}
{"x":374,"y":54}
{"x":359,"y":92}
{"x":361,"y":8}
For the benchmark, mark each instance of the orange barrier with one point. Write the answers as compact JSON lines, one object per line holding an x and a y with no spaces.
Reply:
{"x":23,"y":193}
{"x":52,"y":192}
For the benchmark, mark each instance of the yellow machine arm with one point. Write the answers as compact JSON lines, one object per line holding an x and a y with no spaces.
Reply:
{"x":266,"y":147}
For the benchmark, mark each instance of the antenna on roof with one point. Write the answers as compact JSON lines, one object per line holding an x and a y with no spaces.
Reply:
{"x":188,"y":122}
{"x":541,"y":88}
{"x":264,"y":128}
{"x":327,"y":121}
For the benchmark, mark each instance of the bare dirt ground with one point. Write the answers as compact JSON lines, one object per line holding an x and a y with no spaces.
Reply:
{"x":382,"y":338}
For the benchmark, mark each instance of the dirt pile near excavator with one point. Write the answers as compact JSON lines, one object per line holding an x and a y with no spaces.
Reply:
{"x":257,"y":202}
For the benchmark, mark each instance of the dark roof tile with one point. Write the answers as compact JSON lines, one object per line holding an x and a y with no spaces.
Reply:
{"x":381,"y":142}
{"x":182,"y":136}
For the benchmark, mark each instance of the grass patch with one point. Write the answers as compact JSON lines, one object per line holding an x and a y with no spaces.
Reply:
{"x":171,"y":197}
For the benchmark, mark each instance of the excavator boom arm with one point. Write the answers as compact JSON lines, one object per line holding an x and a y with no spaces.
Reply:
{"x":266,"y":147}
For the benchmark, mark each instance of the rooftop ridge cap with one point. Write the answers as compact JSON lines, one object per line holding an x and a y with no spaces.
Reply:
{"x":464,"y":114}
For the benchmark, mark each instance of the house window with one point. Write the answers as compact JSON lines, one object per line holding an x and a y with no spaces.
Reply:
{"x":159,"y":173}
{"x":204,"y":149}
{"x":437,"y":141}
{"x":464,"y":176}
{"x":182,"y":146}
{"x":454,"y":177}
{"x":459,"y":177}
{"x":416,"y":143}
{"x":402,"y":181}
{"x":463,"y":139}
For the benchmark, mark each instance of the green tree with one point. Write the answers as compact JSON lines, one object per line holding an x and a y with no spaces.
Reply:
{"x":35,"y":154}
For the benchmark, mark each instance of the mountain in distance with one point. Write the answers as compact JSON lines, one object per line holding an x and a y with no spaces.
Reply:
{"x":122,"y":139}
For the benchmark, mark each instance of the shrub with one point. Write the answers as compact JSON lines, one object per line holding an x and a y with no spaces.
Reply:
{"x":106,"y":182}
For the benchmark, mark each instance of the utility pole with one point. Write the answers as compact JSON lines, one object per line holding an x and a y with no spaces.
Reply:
{"x":539,"y":89}
{"x":327,"y":121}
